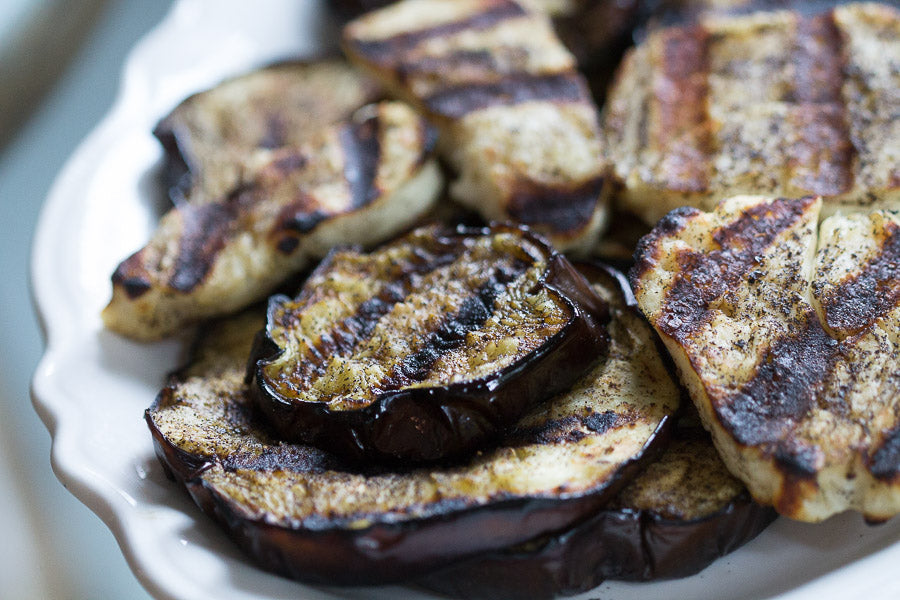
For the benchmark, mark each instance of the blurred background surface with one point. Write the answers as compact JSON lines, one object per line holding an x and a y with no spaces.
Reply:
{"x":60,"y":66}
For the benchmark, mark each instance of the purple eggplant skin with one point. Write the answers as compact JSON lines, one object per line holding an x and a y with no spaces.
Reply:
{"x":426,"y":424}
{"x":385,"y":553}
{"x":623,"y":544}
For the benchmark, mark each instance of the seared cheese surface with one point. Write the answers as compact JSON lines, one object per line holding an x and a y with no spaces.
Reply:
{"x":516,"y":118}
{"x":223,"y":132}
{"x":788,"y":338}
{"x":424,"y":311}
{"x":777,"y":103}
{"x":577,"y":443}
{"x":360,"y":181}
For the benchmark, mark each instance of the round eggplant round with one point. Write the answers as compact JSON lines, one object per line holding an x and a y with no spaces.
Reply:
{"x":303,"y":513}
{"x":428,"y":347}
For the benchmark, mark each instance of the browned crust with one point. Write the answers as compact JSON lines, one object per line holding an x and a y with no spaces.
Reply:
{"x":429,"y":423}
{"x":680,"y":99}
{"x":703,"y":277}
{"x":823,"y":154}
{"x":564,"y":210}
{"x":871,"y":292}
{"x":458,"y":101}
{"x":388,"y":52}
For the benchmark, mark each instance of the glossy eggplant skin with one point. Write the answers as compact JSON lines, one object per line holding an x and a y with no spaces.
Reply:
{"x":619,"y":542}
{"x":422,"y":424}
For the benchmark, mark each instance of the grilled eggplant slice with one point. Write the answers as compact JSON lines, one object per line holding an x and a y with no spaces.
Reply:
{"x":298,"y":511}
{"x":791,"y":354}
{"x":216,"y":139}
{"x":517,"y":121}
{"x":361,"y":181}
{"x":428,"y":347}
{"x":778,"y":103}
{"x":674,"y":519}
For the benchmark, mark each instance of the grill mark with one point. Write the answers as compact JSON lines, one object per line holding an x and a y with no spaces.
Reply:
{"x":361,"y":144}
{"x":362,"y":152}
{"x":869,"y":294}
{"x":391,"y":50}
{"x":704,"y":277}
{"x":451,"y":332}
{"x":554,"y":208}
{"x":681,"y":95}
{"x":784,"y":388}
{"x":205,"y":229}
{"x":516,"y":88}
{"x":132,"y":276}
{"x":287,"y":457}
{"x":354,"y":330}
{"x":568,"y":429}
{"x":884,"y":463}
{"x":647,"y":252}
{"x":823,"y":154}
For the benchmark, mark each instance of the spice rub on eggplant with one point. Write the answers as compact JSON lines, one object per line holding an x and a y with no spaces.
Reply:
{"x":300,"y":512}
{"x":782,"y":103}
{"x":360,"y":181}
{"x":216,"y":139}
{"x":790,"y":353}
{"x":427,"y":347}
{"x":517,"y":121}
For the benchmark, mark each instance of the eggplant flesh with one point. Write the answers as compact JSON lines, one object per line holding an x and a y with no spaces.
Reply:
{"x":673,"y":520}
{"x":301,"y":512}
{"x":428,"y":347}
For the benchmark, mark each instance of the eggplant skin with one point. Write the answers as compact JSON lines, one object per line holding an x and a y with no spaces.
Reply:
{"x":620,"y":542}
{"x":422,"y":420}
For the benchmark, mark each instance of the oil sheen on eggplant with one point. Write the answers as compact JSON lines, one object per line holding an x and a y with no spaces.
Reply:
{"x":305,"y":514}
{"x":428,"y":347}
{"x":680,"y":514}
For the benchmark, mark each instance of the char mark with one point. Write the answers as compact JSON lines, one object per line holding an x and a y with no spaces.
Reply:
{"x":354,"y":330}
{"x":205,"y":230}
{"x":704,"y":277}
{"x":646,"y":252}
{"x":681,"y":93}
{"x":783,"y":390}
{"x":885,"y":461}
{"x":569,"y":429}
{"x":555,"y":209}
{"x":287,"y":457}
{"x":868,"y":295}
{"x":516,"y":88}
{"x":362,"y":153}
{"x":451,"y":333}
{"x":391,"y":50}
{"x":132,"y":276}
{"x":823,"y":153}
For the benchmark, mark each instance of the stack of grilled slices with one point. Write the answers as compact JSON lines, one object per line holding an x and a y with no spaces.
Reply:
{"x":453,"y":401}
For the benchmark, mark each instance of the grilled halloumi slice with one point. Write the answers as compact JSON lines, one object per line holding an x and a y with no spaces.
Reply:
{"x":776,"y":103}
{"x":301,"y":512}
{"x":790,"y":352}
{"x":516,"y":119}
{"x":358,"y":182}
{"x":216,"y":138}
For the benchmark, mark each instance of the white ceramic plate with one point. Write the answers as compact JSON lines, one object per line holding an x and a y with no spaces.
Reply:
{"x":92,"y":386}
